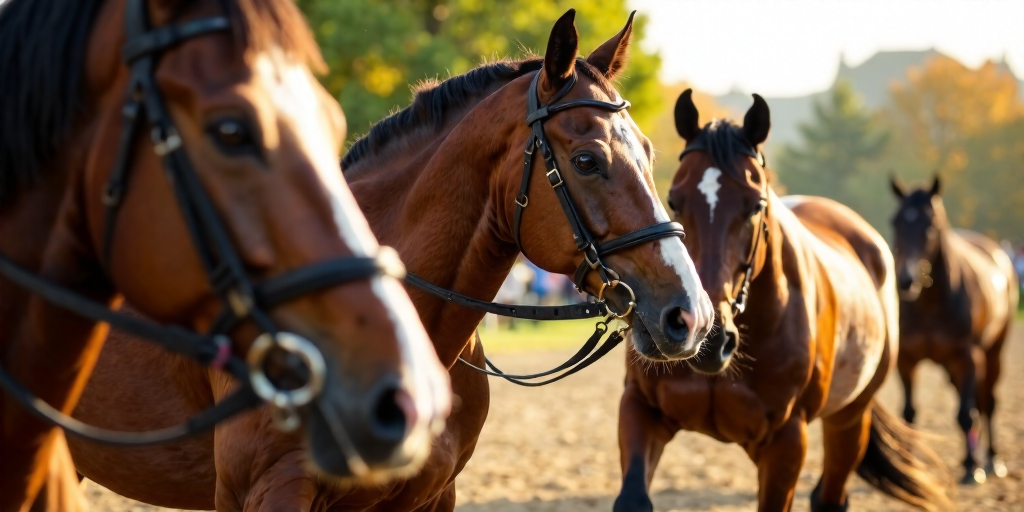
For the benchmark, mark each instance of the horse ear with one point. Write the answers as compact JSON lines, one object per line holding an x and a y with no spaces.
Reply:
{"x":757,"y":122}
{"x":897,"y":187}
{"x":610,"y":58}
{"x":560,"y":58}
{"x":687,"y":116}
{"x":936,"y":186}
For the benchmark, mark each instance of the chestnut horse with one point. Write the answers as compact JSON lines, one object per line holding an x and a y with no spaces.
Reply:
{"x":253,"y":208}
{"x":958,"y":297}
{"x":440,"y":181}
{"x":806,"y":305}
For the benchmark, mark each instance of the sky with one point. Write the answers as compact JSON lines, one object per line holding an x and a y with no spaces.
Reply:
{"x":793,"y":47}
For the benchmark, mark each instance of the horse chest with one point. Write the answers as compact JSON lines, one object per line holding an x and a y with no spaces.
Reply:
{"x":740,"y":410}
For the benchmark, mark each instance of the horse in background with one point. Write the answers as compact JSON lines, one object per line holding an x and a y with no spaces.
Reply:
{"x":958,"y":297}
{"x":180,"y":155}
{"x":806,"y":328}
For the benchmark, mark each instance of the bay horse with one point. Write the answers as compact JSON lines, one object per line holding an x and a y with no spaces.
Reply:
{"x":441,"y":181}
{"x":806,"y":327}
{"x":958,"y":298}
{"x":227,"y":223}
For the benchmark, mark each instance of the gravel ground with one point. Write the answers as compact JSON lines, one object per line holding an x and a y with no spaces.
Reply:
{"x":554,"y":449}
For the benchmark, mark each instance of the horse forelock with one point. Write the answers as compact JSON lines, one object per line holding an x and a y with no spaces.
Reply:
{"x":42,"y":53}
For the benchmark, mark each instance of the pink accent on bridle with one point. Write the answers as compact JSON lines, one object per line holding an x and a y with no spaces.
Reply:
{"x":223,"y":354}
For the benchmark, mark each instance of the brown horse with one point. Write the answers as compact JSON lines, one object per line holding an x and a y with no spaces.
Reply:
{"x":440,"y":181}
{"x":804,"y":290}
{"x":958,"y":296}
{"x":249,"y":141}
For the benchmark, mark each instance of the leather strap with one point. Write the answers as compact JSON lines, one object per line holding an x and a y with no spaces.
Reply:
{"x":567,"y":312}
{"x":158,"y":40}
{"x":638,"y":237}
{"x":583,"y":358}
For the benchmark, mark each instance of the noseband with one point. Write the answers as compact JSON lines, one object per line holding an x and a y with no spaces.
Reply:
{"x":739,"y":304}
{"x":592,"y":349}
{"x":592,"y":251}
{"x":242,"y":298}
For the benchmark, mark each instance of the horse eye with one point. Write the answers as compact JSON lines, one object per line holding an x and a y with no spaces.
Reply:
{"x":671,"y":205}
{"x":232,"y":135}
{"x":584,"y":163}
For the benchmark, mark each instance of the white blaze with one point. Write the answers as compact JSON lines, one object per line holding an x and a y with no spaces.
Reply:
{"x":709,"y":187}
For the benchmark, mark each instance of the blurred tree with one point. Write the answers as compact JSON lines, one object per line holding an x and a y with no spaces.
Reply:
{"x":967,"y":125}
{"x":838,"y":155}
{"x":377,"y":48}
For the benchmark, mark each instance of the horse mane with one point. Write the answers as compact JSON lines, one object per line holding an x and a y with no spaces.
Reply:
{"x":42,"y":54}
{"x":724,"y":142}
{"x":434,"y":102}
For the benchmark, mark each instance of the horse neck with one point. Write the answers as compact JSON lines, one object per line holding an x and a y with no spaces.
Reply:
{"x":444,"y":211}
{"x":785,"y":264}
{"x":946,"y":272}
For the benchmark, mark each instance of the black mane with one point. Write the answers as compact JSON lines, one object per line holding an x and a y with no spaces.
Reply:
{"x":42,"y":48}
{"x":433,"y":102}
{"x":723,"y":140}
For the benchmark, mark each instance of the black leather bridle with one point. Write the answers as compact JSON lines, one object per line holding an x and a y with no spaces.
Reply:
{"x":585,"y":243}
{"x":739,"y":304}
{"x":242,"y":298}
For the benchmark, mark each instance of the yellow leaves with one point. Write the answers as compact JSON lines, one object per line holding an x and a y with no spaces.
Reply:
{"x":378,"y":77}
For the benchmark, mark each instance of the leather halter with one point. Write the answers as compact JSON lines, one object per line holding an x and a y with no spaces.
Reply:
{"x":242,"y":298}
{"x":592,"y":251}
{"x":739,"y":304}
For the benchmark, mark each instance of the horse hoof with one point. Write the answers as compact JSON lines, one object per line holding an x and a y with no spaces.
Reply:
{"x":975,"y":477}
{"x":996,"y":468}
{"x":818,"y":506}
{"x":633,"y":503}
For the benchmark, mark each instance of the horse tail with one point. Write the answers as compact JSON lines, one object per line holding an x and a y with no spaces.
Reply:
{"x":899,"y":463}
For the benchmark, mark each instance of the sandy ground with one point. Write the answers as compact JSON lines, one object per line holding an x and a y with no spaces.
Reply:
{"x":554,"y":449}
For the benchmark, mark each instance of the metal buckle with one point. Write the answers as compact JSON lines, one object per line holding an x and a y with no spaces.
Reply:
{"x":557,"y":175}
{"x":284,"y":402}
{"x":525,"y":201}
{"x":162,"y":145}
{"x":597,"y":259}
{"x":614,"y":284}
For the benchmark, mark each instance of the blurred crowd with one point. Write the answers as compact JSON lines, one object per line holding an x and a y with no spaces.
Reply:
{"x":531,"y":285}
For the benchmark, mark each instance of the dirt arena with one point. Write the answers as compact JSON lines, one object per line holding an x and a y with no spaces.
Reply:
{"x":554,"y":449}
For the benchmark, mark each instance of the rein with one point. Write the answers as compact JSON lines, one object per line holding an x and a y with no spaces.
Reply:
{"x":585,"y":243}
{"x":242,"y":299}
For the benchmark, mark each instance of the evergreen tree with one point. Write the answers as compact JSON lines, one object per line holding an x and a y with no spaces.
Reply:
{"x":838,"y":156}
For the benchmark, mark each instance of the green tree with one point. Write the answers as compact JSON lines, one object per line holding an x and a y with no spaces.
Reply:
{"x":838,"y":156}
{"x":376,"y":49}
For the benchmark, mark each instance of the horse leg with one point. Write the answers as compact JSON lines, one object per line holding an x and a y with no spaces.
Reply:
{"x":987,"y":405}
{"x":642,"y":439}
{"x":845,"y":436}
{"x":778,"y":465}
{"x":907,"y":366}
{"x":962,"y":374}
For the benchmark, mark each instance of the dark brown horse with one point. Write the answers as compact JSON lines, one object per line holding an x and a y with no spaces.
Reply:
{"x":97,"y":95}
{"x":805,"y":297}
{"x":958,"y":297}
{"x":440,"y":181}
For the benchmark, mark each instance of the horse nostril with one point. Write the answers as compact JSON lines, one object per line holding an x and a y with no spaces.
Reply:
{"x":730,"y":344}
{"x":677,"y":324}
{"x":388,"y":419}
